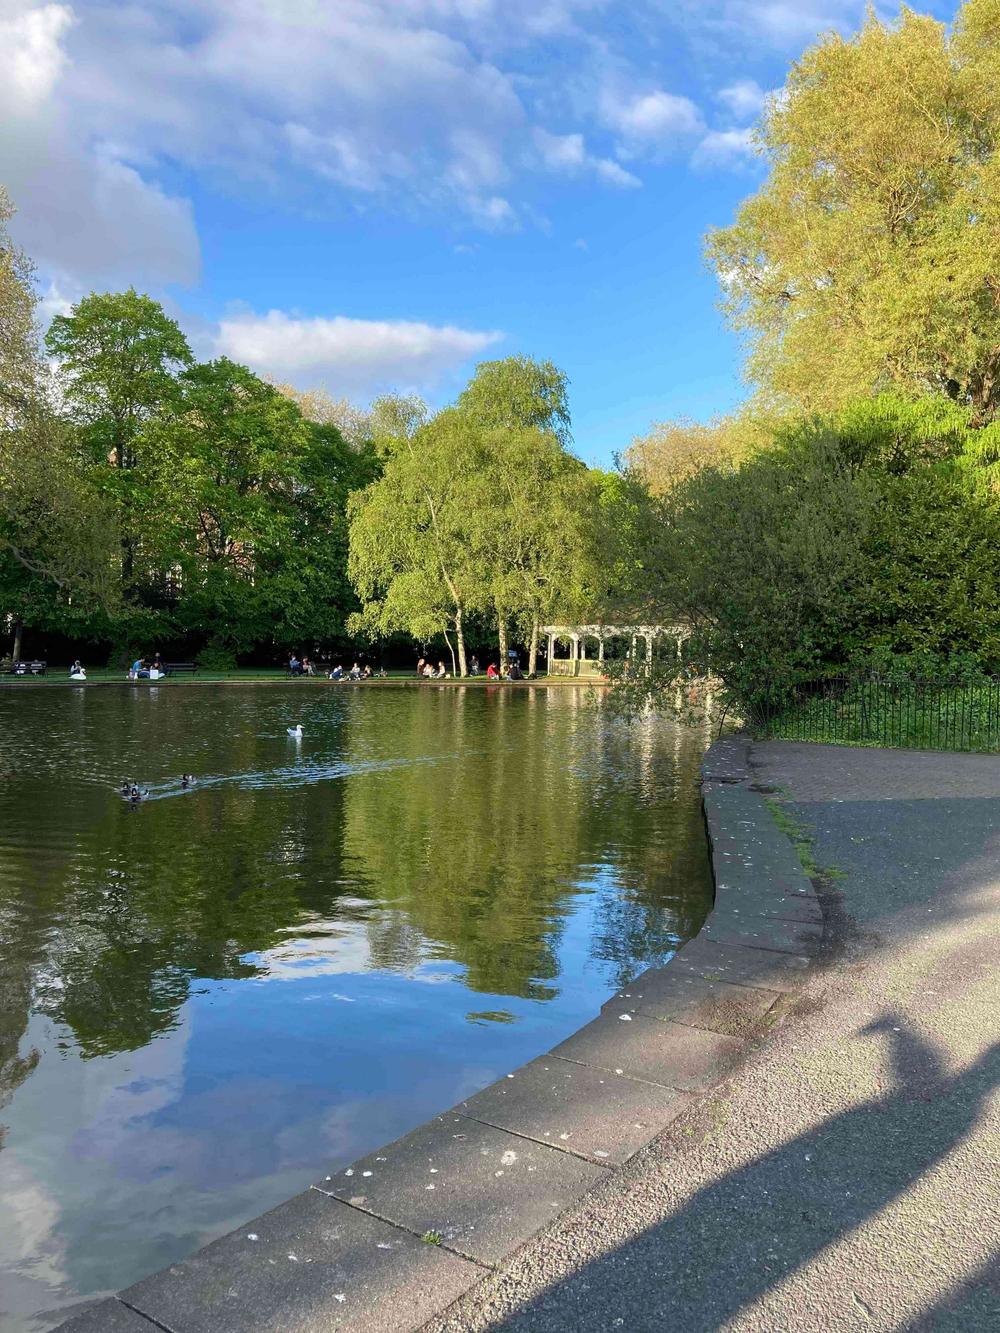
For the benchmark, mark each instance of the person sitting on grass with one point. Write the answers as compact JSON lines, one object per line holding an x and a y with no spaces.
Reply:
{"x":491,"y":672}
{"x":307,"y":667}
{"x":441,"y":673}
{"x":428,"y":671}
{"x":474,"y":667}
{"x":366,"y":674}
{"x":336,"y":673}
{"x":355,"y":672}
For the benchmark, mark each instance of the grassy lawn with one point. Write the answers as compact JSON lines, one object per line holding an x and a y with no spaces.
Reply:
{"x":59,"y":676}
{"x":932,"y":717}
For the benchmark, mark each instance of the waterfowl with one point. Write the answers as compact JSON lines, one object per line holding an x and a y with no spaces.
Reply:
{"x":296,"y":731}
{"x":188,"y":779}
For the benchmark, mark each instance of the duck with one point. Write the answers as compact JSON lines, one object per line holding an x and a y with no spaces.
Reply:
{"x":125,"y":788}
{"x":295,"y":731}
{"x":188,"y":779}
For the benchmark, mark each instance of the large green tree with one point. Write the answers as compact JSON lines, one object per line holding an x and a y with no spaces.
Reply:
{"x":870,"y":256}
{"x":118,"y":355}
{"x":518,"y":393}
{"x":411,"y":559}
{"x":246,"y":500}
{"x":55,"y":529}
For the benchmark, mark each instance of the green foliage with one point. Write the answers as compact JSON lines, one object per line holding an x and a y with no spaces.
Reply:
{"x":410,"y":560}
{"x":852,"y":542}
{"x":868,"y":258}
{"x":119,"y":354}
{"x":518,"y":393}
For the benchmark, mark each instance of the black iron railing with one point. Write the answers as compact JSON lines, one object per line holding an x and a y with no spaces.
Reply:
{"x":873,"y":710}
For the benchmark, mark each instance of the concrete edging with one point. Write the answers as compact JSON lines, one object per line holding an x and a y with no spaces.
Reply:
{"x":394,"y":1239}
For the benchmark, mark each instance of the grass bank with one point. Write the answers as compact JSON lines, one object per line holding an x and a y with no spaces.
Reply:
{"x":923,"y":715}
{"x":59,"y":677}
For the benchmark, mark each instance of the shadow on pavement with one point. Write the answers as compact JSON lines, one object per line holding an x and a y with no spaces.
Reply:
{"x":744,"y":1234}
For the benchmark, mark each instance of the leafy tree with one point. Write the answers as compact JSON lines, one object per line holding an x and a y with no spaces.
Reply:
{"x":20,"y":369}
{"x":518,"y":393}
{"x":531,"y":508}
{"x":119,"y":354}
{"x":244,"y":498}
{"x":54,"y":527}
{"x":869,"y":257}
{"x":671,"y":451}
{"x":929,"y":584}
{"x":411,"y":561}
{"x":316,"y":405}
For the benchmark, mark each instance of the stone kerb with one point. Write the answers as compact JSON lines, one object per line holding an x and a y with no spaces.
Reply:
{"x":394,"y":1239}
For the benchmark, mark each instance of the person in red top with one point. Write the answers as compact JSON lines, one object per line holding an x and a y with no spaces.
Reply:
{"x":491,"y":672}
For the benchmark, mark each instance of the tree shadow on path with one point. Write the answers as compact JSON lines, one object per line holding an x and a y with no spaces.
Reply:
{"x":743,"y":1234}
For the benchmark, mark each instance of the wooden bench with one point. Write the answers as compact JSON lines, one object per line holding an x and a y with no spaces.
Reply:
{"x":34,"y":668}
{"x":180,"y":668}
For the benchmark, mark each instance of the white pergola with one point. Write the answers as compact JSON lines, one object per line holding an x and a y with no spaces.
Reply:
{"x":579,"y":664}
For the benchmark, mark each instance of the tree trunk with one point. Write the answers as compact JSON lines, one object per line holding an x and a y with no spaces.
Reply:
{"x":460,"y":636}
{"x":18,"y":631}
{"x":533,"y":649}
{"x":502,"y":635}
{"x":451,"y":649}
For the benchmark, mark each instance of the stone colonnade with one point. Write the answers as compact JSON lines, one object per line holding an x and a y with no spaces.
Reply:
{"x":578,"y":663}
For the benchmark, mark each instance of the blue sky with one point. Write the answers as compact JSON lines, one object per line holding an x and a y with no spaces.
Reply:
{"x":374,"y":194}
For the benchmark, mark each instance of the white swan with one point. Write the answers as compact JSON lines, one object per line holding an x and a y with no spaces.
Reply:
{"x":295,"y":731}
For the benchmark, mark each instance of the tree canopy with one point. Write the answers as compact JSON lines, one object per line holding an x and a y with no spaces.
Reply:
{"x":869,"y":257}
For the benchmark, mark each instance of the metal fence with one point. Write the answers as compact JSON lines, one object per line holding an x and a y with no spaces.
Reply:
{"x":871,"y":710}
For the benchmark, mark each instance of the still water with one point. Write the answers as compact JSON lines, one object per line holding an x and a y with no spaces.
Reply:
{"x":207,"y":999}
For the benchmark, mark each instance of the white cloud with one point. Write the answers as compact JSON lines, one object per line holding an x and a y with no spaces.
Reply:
{"x":32,"y":53}
{"x":650,"y":123}
{"x":568,"y":153}
{"x":744,"y":99}
{"x":353,"y":357}
{"x":81,"y":208}
{"x":779,"y":24}
{"x":724,"y":148}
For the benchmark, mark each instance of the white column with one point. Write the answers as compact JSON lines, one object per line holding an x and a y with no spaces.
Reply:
{"x":600,"y":649}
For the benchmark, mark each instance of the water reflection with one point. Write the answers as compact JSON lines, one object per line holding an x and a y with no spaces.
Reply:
{"x":318,"y":945}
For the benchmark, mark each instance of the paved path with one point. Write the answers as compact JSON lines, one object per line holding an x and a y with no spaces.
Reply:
{"x":848,"y":1176}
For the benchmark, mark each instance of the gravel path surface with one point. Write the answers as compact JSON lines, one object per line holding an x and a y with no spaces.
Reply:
{"x":848,"y":1176}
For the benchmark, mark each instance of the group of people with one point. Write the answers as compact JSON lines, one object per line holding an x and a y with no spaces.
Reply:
{"x":356,"y":672}
{"x":305,"y":667}
{"x":426,"y":670}
{"x":144,"y":669}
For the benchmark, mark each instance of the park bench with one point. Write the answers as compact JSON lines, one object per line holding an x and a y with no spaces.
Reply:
{"x":180,"y":668}
{"x":33,"y":668}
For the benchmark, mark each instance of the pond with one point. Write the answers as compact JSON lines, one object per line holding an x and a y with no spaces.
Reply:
{"x":208,"y":997}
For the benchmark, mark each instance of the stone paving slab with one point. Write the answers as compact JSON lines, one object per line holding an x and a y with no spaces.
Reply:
{"x":663,"y":1052}
{"x":592,"y":1112}
{"x":763,"y":932}
{"x":314,"y":1264}
{"x":483,"y":1189}
{"x":742,"y":966}
{"x":735,"y":1011}
{"x":108,"y":1317}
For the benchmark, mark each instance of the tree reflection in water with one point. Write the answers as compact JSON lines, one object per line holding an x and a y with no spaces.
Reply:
{"x":517,"y":844}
